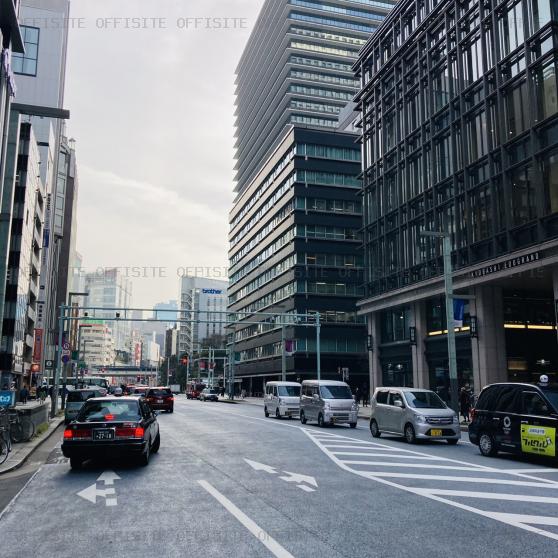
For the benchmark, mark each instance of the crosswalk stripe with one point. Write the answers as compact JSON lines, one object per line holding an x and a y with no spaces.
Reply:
{"x":481,"y":480}
{"x":410,"y":465}
{"x":489,"y":495}
{"x":521,"y":518}
{"x":396,"y":455}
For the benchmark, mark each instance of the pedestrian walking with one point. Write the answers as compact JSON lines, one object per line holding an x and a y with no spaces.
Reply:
{"x":357,"y":396}
{"x":24,"y":394}
{"x":465,"y":402}
{"x":365,"y":397}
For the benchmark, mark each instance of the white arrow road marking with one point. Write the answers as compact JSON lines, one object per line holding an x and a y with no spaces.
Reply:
{"x":270,"y":543}
{"x":108,"y":477}
{"x":92,"y":492}
{"x":261,"y":467}
{"x":295,"y":477}
{"x":305,"y":488}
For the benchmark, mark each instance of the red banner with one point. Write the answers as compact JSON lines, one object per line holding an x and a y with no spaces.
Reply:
{"x":38,"y":346}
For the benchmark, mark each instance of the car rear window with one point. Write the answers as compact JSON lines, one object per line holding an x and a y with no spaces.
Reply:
{"x":80,"y":396}
{"x":101,"y":411}
{"x":159,"y":392}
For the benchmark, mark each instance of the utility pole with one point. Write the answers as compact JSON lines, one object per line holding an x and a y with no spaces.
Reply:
{"x":283,"y":354}
{"x":318,"y":347}
{"x":448,"y":288}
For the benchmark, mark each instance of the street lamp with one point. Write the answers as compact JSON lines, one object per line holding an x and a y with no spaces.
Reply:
{"x":448,"y":283}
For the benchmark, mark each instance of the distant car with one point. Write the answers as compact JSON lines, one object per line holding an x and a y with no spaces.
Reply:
{"x":140,"y":391}
{"x":112,"y":427}
{"x":516,"y":418}
{"x":327,"y":402}
{"x":209,"y":394}
{"x":76,"y":399}
{"x":282,"y":399}
{"x":160,"y":399}
{"x":412,"y":413}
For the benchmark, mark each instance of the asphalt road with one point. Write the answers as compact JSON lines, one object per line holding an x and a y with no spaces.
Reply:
{"x":227,"y":481}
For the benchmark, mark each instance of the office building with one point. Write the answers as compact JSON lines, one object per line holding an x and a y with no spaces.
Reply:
{"x":296,"y":69}
{"x":109,"y":288}
{"x":459,"y":118}
{"x":201,"y":300}
{"x":97,"y":346}
{"x":166,"y":311}
{"x":24,"y":265}
{"x":295,"y":248}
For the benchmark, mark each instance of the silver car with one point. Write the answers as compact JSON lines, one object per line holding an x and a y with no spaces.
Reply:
{"x":76,"y":399}
{"x":328,"y":402}
{"x":414,"y":414}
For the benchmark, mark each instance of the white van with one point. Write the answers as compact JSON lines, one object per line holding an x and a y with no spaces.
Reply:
{"x":282,"y":399}
{"x":328,"y":402}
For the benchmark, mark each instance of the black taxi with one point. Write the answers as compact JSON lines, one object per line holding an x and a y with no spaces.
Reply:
{"x":516,"y":418}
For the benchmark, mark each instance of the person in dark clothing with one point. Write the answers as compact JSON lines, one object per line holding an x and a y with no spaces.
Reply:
{"x":365,"y":398}
{"x":357,"y":395}
{"x":465,"y":402}
{"x":24,"y":394}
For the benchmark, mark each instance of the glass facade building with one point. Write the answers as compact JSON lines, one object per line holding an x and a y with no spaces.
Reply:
{"x":459,"y":114}
{"x":295,"y":248}
{"x":296,"y":69}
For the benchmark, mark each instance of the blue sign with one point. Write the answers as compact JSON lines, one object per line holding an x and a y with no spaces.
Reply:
{"x":458,"y":312}
{"x":7,"y":398}
{"x":211,"y":291}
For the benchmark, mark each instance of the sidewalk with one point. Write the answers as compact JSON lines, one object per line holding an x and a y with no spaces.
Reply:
{"x":21,"y":452}
{"x":363,"y":412}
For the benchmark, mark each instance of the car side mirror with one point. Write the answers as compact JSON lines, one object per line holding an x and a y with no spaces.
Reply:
{"x":398,"y":404}
{"x":316,"y":397}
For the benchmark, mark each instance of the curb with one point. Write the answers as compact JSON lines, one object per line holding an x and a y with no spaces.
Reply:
{"x":39,"y":443}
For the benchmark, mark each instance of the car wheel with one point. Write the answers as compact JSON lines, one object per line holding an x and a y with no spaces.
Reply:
{"x":353,"y":425}
{"x":144,"y":458}
{"x":156,"y":444}
{"x":75,"y":463}
{"x":452,"y":442}
{"x":487,"y":445}
{"x":374,"y":429}
{"x":302,"y":417}
{"x":277,"y":414}
{"x":171,"y":410}
{"x":410,"y":435}
{"x":266,"y":412}
{"x":321,"y":422}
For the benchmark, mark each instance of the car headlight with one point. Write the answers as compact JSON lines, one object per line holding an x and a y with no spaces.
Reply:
{"x":327,"y":406}
{"x":455,"y":419}
{"x":355,"y":406}
{"x":421,"y":418}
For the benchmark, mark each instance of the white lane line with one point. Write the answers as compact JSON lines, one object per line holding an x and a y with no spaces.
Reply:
{"x":412,"y":490}
{"x":521,"y":518}
{"x":481,"y":480}
{"x":490,"y":496}
{"x":538,"y":471}
{"x":387,"y":455}
{"x":410,"y":465}
{"x":270,"y":543}
{"x":13,"y":500}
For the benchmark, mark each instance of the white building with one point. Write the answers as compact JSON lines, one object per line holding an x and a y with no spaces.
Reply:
{"x":109,"y":289}
{"x":201,"y":299}
{"x":151,"y":351}
{"x":97,"y":346}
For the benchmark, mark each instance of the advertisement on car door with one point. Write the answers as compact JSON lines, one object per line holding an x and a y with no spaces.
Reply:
{"x":540,"y":440}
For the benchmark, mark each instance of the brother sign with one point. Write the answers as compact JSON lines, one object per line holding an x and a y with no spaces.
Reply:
{"x":7,"y":398}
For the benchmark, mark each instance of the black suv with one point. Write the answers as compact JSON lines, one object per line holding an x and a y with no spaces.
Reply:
{"x":516,"y":418}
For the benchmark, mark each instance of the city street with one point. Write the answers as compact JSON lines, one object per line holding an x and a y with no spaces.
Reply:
{"x":228,"y":481}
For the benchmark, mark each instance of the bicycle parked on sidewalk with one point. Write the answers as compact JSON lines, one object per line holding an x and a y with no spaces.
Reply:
{"x":5,"y":439}
{"x":21,"y":428}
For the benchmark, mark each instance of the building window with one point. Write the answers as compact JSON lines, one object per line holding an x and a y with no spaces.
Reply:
{"x":550,"y":181}
{"x":523,"y":208}
{"x":511,"y":29}
{"x":545,"y":88}
{"x":516,"y":116}
{"x":395,"y":325}
{"x":26,"y":64}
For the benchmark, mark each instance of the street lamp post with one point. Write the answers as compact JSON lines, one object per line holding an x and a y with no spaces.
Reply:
{"x":448,"y":284}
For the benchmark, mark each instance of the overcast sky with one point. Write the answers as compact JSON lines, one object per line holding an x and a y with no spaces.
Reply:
{"x":152,"y":114}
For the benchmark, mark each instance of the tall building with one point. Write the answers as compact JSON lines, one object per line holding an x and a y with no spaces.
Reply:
{"x":22,"y":277}
{"x":109,"y":289}
{"x":296,"y":69}
{"x":200,"y":299}
{"x":295,"y":248}
{"x":41,"y":72}
{"x":166,"y":311}
{"x":97,"y":346}
{"x":459,"y":116}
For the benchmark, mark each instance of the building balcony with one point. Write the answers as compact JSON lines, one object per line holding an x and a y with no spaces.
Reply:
{"x":31,"y":313}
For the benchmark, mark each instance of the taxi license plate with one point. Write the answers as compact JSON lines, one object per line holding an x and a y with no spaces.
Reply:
{"x":159,"y":400}
{"x":435,"y":432}
{"x":103,"y":434}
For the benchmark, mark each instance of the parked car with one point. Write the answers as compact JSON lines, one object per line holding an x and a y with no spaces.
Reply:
{"x":76,"y":399}
{"x":282,"y":399}
{"x":416,"y":414}
{"x":209,"y":394}
{"x":327,"y":402}
{"x":160,"y":399}
{"x":112,"y":427}
{"x":516,"y":418}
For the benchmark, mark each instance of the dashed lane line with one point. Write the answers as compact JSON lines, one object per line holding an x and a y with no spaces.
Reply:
{"x":267,"y":540}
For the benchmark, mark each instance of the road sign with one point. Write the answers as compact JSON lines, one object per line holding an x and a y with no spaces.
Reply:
{"x":50,"y":365}
{"x":66,"y":346}
{"x":65,"y":358}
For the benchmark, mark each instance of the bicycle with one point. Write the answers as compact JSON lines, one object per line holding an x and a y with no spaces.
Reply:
{"x":22,"y":429}
{"x":5,"y":440}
